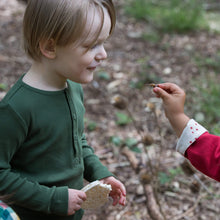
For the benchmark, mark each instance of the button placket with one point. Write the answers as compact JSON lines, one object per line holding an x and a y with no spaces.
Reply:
{"x":73,"y":121}
{"x":77,"y":146}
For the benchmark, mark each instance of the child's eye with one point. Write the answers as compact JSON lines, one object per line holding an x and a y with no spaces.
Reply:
{"x":94,"y":46}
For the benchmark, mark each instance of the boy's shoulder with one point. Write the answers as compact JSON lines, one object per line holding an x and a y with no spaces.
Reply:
{"x":12,"y":91}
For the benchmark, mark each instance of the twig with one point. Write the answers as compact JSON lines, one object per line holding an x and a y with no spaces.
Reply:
{"x":202,"y":184}
{"x":117,"y":165}
{"x":142,"y":138}
{"x":152,"y":205}
{"x":131,"y":157}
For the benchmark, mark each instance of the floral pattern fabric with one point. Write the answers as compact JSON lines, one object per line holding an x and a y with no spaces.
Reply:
{"x":7,"y":213}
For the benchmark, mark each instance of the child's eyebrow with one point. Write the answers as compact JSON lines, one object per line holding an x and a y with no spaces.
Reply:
{"x":99,"y":40}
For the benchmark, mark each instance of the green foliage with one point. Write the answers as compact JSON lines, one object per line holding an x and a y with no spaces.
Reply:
{"x":206,"y":100}
{"x":90,"y":125}
{"x":131,"y":143}
{"x":213,"y":18}
{"x":117,"y":141}
{"x":169,"y":16}
{"x":216,"y":129}
{"x":122,"y":119}
{"x":165,"y":178}
{"x":208,"y":63}
{"x":205,"y":96}
{"x":145,"y":76}
{"x":140,"y":9}
{"x":152,"y":36}
{"x":104,"y":75}
{"x":3,"y":86}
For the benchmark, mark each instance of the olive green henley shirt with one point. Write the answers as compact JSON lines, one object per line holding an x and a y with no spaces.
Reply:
{"x":43,"y":150}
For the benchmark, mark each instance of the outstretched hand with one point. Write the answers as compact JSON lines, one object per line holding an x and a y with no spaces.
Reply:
{"x":173,"y":100}
{"x":118,"y":192}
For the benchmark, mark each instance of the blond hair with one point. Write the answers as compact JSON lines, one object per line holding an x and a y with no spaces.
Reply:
{"x":61,"y":20}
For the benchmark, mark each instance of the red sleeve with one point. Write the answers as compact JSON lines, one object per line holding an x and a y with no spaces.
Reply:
{"x":204,"y":154}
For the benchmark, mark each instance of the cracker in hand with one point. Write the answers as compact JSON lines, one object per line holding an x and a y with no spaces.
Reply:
{"x":97,"y":194}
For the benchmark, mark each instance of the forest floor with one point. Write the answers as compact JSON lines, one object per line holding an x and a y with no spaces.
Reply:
{"x":179,"y":196}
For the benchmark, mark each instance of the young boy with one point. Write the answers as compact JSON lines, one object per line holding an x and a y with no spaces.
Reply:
{"x":44,"y":155}
{"x":195,"y":143}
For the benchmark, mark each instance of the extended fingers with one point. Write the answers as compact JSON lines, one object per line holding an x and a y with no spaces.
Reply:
{"x":160,"y":92}
{"x":122,"y":200}
{"x":118,"y":197}
{"x":170,"y":88}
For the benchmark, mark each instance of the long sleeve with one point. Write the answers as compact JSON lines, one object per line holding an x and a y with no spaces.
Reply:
{"x":201,"y":149}
{"x":25,"y":192}
{"x":94,"y":169}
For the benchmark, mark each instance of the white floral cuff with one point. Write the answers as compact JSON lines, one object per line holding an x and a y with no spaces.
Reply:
{"x":191,"y":132}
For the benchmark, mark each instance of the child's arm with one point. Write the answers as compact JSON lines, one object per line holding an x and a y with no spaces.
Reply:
{"x":95,"y":170}
{"x":24,"y":192}
{"x":173,"y":100}
{"x":204,"y":154}
{"x":195,"y":143}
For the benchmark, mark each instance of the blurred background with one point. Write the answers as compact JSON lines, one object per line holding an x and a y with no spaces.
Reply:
{"x":154,"y":41}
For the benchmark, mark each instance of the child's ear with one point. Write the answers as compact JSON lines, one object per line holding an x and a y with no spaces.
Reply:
{"x":48,"y":48}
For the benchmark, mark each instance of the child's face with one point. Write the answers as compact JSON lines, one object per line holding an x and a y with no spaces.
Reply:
{"x":79,"y":63}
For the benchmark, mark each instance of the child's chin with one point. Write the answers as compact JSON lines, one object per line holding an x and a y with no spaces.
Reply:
{"x":87,"y":80}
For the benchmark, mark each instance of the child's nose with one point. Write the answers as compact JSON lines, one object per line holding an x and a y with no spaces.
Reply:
{"x":102,"y":54}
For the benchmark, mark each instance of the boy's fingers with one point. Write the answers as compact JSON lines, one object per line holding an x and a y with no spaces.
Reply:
{"x":123,"y":190}
{"x":82,"y":196}
{"x":122,"y":200}
{"x":115,"y":200}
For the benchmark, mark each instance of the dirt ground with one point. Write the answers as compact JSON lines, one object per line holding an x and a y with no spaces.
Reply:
{"x":181,"y":198}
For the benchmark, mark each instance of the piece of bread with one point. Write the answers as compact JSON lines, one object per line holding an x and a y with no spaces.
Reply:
{"x":97,"y":194}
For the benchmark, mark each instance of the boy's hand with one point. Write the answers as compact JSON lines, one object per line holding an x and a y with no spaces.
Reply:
{"x":173,"y":99}
{"x":76,"y":198}
{"x":118,"y":192}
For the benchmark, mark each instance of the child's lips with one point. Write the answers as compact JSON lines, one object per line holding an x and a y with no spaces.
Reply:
{"x":91,"y":68}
